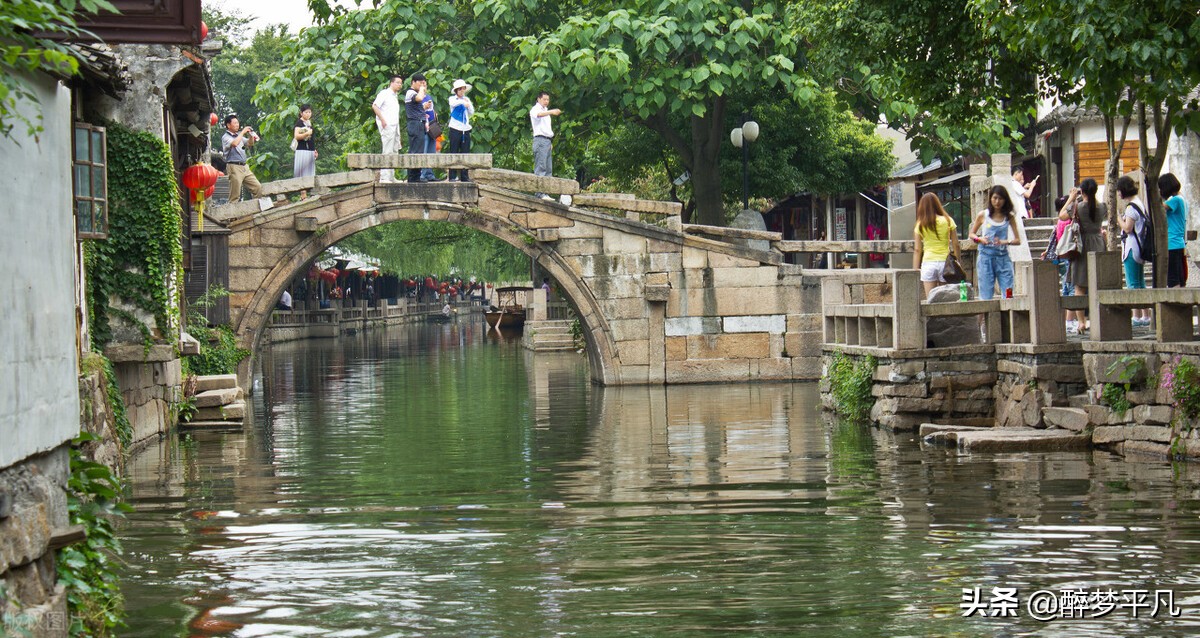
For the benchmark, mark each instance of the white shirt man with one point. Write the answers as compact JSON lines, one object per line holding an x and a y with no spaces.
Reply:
{"x":285,"y":301}
{"x":539,"y":118}
{"x":1020,"y":192}
{"x":387,"y":120}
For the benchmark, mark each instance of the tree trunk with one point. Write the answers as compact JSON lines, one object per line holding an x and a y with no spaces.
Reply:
{"x":1152,"y":168}
{"x":707,"y":137}
{"x":1115,"y":146}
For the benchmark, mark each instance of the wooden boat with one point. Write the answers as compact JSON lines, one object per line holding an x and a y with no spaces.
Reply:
{"x":508,"y":313}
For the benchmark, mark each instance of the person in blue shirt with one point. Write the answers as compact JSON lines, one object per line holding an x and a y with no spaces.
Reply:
{"x":461,"y":110}
{"x":1176,"y":208}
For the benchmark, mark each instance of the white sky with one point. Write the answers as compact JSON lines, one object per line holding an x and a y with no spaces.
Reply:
{"x":293,"y":13}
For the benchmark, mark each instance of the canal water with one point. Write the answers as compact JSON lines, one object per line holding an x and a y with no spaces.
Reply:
{"x":435,"y":481}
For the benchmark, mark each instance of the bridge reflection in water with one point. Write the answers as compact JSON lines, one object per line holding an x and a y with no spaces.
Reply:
{"x":427,"y":480}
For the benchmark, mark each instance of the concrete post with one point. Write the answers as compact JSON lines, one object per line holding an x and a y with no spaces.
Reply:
{"x":1108,"y":323}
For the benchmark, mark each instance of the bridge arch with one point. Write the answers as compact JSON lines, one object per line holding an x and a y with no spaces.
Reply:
{"x":252,"y":304}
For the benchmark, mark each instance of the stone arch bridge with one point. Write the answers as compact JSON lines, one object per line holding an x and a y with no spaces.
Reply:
{"x":659,"y":302}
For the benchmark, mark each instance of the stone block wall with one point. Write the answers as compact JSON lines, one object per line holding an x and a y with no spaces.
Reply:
{"x":1152,"y":425}
{"x":151,"y":389}
{"x":33,"y":507}
{"x":1030,"y":378}
{"x":934,"y":385}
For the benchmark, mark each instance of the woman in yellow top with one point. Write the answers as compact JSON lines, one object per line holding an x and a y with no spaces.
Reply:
{"x":934,"y":235}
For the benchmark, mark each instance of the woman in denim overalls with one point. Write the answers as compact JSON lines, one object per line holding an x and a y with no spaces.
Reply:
{"x":995,"y":229}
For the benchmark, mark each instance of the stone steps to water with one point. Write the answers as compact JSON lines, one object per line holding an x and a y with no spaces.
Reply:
{"x":981,"y":439}
{"x":219,"y":402}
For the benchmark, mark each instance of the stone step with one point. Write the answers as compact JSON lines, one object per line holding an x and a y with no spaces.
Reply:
{"x":231,"y":412}
{"x":1009,"y":439}
{"x":211,"y":425}
{"x":1079,"y":401}
{"x":216,"y":382}
{"x":1040,"y":222}
{"x":216,"y":398}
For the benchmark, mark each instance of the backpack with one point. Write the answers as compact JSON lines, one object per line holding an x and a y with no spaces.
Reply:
{"x":1144,"y":237}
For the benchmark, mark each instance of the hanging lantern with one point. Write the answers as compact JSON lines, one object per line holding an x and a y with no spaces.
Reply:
{"x":212,"y":119}
{"x":203,"y":31}
{"x":200,"y":180}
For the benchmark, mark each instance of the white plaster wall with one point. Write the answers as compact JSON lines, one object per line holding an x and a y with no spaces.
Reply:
{"x":39,"y":393}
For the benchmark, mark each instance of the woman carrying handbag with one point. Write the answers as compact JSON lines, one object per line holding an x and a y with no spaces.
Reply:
{"x":1089,"y":214}
{"x":935,"y":237}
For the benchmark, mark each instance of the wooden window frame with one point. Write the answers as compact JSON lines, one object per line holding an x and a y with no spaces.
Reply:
{"x":98,"y":228}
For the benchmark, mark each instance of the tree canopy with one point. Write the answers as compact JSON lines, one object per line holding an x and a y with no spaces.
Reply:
{"x":22,"y":51}
{"x":679,"y":71}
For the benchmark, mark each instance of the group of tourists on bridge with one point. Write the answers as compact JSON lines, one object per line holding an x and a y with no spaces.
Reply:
{"x":1080,"y":230}
{"x":423,"y":129}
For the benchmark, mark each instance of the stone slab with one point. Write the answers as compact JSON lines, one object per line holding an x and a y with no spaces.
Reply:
{"x":1073,"y":419}
{"x":419,"y":160}
{"x":1018,"y":440}
{"x":138,"y":353}
{"x":1116,"y":433}
{"x":755,"y":323}
{"x":210,"y":425}
{"x":216,"y":398}
{"x":349,"y":178}
{"x":448,"y":192}
{"x":519,"y":181}
{"x":687,"y":326}
{"x":216,"y":382}
{"x":233,"y":411}
{"x":608,"y":200}
{"x":283,"y":186}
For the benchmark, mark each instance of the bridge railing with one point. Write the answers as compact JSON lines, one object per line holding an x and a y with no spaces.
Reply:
{"x":883,"y":308}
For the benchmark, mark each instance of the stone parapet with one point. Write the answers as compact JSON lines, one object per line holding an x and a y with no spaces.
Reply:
{"x":35,"y":501}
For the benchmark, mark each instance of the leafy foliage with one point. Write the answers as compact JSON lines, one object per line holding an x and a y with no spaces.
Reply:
{"x":675,"y":70}
{"x":928,"y":67}
{"x":850,"y":381}
{"x":438,"y":247}
{"x":96,"y":362}
{"x":88,"y":569}
{"x":141,"y":258}
{"x":219,"y":351}
{"x":1131,"y":60}
{"x":1114,"y":396}
{"x":236,"y":72}
{"x":22,"y":52}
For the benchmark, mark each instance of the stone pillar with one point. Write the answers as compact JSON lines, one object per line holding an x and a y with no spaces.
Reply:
{"x":1045,"y":303}
{"x":902,"y":219}
{"x":537,"y":305}
{"x":1107,"y":323}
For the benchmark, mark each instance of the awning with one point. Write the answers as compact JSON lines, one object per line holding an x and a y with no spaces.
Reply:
{"x":949,"y":179}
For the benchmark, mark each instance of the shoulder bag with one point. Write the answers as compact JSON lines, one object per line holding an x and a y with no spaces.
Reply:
{"x":952,"y":272}
{"x":1069,"y":244}
{"x":435,"y":130}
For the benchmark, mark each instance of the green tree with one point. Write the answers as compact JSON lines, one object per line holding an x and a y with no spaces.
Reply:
{"x":22,"y":51}
{"x":411,"y":247}
{"x":1133,"y":61}
{"x":814,"y":146}
{"x":927,"y":68}
{"x":673,"y":67}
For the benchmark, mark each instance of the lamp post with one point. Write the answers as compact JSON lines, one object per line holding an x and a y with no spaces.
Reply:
{"x":742,"y":137}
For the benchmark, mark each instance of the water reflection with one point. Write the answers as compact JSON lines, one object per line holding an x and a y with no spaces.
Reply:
{"x":432,"y":481}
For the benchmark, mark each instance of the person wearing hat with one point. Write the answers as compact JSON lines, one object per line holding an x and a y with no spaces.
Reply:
{"x":418,"y":123}
{"x":461,"y":111}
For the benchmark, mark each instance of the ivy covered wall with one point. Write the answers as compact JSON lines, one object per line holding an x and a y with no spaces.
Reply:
{"x":132,"y":275}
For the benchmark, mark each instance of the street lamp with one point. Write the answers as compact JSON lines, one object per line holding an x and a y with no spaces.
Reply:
{"x":742,"y":137}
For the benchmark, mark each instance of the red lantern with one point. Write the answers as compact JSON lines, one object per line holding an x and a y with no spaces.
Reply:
{"x":203,"y":31}
{"x":453,"y":290}
{"x":212,"y":119}
{"x":200,"y":179}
